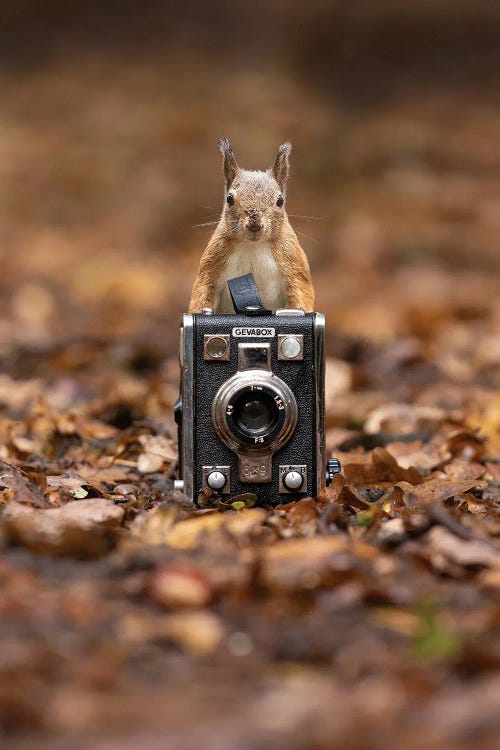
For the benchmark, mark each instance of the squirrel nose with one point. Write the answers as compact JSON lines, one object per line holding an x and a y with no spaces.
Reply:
{"x":253,"y":222}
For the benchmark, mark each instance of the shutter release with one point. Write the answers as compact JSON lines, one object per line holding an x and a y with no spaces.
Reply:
{"x":216,"y":480}
{"x":293,"y":480}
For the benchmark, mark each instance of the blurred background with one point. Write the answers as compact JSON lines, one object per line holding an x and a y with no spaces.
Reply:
{"x":109,"y":119}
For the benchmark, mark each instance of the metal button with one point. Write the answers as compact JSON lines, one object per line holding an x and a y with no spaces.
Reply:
{"x":216,"y":347}
{"x":290,"y":346}
{"x":216,"y":480}
{"x":293,"y":480}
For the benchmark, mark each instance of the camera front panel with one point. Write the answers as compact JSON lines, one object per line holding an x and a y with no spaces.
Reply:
{"x":253,"y":405}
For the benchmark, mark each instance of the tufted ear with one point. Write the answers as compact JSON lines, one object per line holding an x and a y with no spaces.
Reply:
{"x":281,"y":165}
{"x":229,"y":163}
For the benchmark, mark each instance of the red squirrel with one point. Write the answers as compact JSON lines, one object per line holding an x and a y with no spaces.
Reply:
{"x":254,"y":236}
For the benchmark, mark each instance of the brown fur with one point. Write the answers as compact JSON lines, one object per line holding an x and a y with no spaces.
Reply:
{"x":254,"y":216}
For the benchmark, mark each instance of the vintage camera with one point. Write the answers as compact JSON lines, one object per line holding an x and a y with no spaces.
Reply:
{"x":251,"y":413}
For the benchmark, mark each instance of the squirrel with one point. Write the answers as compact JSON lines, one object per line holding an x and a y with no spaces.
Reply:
{"x":254,"y":236}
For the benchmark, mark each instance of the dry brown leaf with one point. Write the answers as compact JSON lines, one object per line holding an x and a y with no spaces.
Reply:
{"x":435,"y":490}
{"x":350,"y":496}
{"x":199,"y":632}
{"x":392,"y":531}
{"x":460,"y":469}
{"x":301,"y":564}
{"x":405,"y":418}
{"x":383,"y":469}
{"x":445,"y":548}
{"x":84,"y":528}
{"x":208,"y":527}
{"x":466,"y":444}
{"x":303,"y":515}
{"x":25,"y":490}
{"x":157,"y":450}
{"x":180,"y":585}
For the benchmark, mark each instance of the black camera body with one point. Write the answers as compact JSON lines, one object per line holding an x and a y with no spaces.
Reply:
{"x":252,"y":417}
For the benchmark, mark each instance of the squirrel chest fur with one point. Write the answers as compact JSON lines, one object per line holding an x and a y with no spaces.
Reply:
{"x":254,"y":236}
{"x":256,"y":258}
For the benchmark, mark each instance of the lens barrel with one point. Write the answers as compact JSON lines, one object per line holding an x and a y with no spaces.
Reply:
{"x":255,"y":414}
{"x":254,"y":411}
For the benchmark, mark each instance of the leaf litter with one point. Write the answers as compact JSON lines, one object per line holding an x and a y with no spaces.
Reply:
{"x":392,"y":575}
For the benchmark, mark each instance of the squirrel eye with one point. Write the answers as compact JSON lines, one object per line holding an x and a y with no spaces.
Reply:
{"x":280,"y":201}
{"x":230,"y":199}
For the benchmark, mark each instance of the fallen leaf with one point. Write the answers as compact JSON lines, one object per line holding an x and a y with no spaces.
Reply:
{"x":466,"y":444}
{"x":436,"y":490}
{"x":459,"y":469}
{"x":180,"y":585}
{"x":392,"y":531}
{"x":79,"y":493}
{"x":302,"y":515}
{"x":403,"y":418}
{"x":78,"y":529}
{"x":25,"y":490}
{"x":445,"y":548}
{"x":209,"y":528}
{"x":383,"y":469}
{"x":157,"y":450}
{"x":199,"y":632}
{"x":302,"y":564}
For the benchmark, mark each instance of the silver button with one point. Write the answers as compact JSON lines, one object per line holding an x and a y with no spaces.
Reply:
{"x":290,"y":347}
{"x":216,"y":480}
{"x":207,"y":311}
{"x":293,"y":480}
{"x":179,"y":484}
{"x":216,"y":347}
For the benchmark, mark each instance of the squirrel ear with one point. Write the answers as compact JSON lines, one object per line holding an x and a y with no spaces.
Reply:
{"x":230,"y":165}
{"x":281,"y":164}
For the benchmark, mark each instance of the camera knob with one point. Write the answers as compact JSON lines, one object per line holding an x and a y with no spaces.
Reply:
{"x":332,"y":467}
{"x":216,"y":480}
{"x":293,"y":480}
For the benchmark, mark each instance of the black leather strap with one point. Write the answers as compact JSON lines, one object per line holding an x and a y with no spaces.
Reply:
{"x":245,"y":296}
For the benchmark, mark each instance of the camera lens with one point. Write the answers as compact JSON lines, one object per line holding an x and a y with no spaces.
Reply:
{"x":255,"y":414}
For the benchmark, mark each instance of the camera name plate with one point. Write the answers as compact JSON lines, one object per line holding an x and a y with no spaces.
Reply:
{"x":254,"y":332}
{"x":292,"y":478}
{"x":256,"y":469}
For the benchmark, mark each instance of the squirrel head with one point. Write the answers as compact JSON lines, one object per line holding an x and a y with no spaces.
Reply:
{"x":254,"y":205}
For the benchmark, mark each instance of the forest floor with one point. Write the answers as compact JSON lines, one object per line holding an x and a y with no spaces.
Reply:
{"x":366,"y":619}
{"x":129,"y":617}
